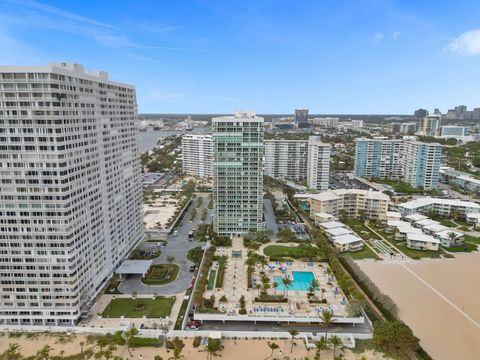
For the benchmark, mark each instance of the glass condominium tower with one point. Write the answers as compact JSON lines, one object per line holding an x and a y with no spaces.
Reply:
{"x":70,"y":190}
{"x":238,"y":173}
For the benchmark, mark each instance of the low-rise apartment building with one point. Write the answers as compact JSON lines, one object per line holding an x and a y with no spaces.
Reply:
{"x":351,"y":203}
{"x":441,"y":207}
{"x":461,"y":179}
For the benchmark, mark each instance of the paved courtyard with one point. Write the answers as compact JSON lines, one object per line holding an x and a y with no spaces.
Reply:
{"x":235,"y":285}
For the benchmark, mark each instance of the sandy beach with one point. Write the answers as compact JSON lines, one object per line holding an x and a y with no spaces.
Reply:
{"x":438,"y":299}
{"x":234,"y":349}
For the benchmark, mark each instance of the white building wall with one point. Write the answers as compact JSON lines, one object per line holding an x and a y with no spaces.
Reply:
{"x":286,"y":159}
{"x":70,"y":191}
{"x":197,"y":153}
{"x":318,"y":165}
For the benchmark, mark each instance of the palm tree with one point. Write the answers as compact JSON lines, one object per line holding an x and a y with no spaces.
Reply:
{"x":327,"y":319}
{"x":164,"y":329}
{"x":178,"y":346}
{"x":336,"y":342}
{"x":452,"y":237}
{"x":214,"y":346}
{"x":286,"y":283}
{"x":13,"y":352}
{"x":321,"y":345}
{"x":293,"y":333}
{"x":264,"y":262}
{"x":43,"y":353}
{"x":82,"y":343}
{"x":274,"y":286}
{"x":273,"y":346}
{"x":315,"y":285}
{"x":129,"y":334}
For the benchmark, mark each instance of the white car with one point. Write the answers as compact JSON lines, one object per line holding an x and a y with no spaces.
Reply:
{"x":175,"y":233}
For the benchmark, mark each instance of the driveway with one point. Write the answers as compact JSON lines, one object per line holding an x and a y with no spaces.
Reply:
{"x":270,"y":220}
{"x":178,"y":246}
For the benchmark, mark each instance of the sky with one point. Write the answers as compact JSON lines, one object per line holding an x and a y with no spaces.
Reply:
{"x":269,"y":56}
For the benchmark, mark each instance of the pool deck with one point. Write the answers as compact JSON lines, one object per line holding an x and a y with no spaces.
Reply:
{"x":235,"y":285}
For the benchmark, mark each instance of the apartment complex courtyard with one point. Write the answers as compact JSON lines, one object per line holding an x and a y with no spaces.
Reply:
{"x":271,"y":288}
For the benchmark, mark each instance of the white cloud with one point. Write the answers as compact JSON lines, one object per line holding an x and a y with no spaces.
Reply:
{"x":378,"y":37}
{"x":396,"y":35}
{"x":467,"y":43}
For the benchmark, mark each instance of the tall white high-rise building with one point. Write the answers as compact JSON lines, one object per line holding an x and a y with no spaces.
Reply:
{"x":237,"y":173}
{"x":197,"y":155}
{"x":414,"y":162}
{"x":318,"y":164}
{"x":70,"y":195}
{"x":286,"y":159}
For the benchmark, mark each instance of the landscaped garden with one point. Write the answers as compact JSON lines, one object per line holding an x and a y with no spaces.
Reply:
{"x":195,"y":255}
{"x":161,"y":274}
{"x":466,"y":247}
{"x":139,"y":307}
{"x":399,"y":186}
{"x":472,"y":239}
{"x":365,"y":253}
{"x":296,"y":252}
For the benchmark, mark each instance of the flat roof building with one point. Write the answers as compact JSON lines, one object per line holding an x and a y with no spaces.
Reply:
{"x":71,"y":192}
{"x":197,"y":152}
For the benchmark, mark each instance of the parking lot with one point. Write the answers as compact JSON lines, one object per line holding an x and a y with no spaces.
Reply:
{"x":345,"y":181}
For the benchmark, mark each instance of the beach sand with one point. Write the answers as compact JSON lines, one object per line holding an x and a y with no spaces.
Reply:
{"x":438,"y":299}
{"x":234,"y":349}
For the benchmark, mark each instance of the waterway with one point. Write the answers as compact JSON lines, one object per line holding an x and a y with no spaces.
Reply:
{"x":147,"y":140}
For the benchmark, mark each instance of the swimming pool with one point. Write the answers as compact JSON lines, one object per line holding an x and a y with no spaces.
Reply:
{"x":300,"y":282}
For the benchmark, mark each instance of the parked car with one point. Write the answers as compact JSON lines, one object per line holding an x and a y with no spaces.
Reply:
{"x":192,"y":268}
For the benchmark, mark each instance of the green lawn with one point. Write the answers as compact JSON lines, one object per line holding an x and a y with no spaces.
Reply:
{"x":472,"y":239}
{"x":365,"y":253}
{"x":467,"y":247}
{"x":359,"y":227}
{"x":416,"y":254}
{"x":446,"y":222}
{"x":287,"y":251}
{"x":161,"y":274}
{"x":195,"y":255}
{"x":400,"y":186}
{"x":137,"y":308}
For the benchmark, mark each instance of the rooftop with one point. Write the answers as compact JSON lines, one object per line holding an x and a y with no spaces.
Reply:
{"x":346,"y":239}
{"x":335,"y":194}
{"x":426,"y":201}
{"x":338,"y":231}
{"x":422,"y":237}
{"x":332,"y":225}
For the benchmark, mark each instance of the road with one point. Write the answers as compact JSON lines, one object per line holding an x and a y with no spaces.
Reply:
{"x":178,"y":246}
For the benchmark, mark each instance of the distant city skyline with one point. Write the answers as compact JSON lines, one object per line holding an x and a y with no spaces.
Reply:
{"x":354,"y":57}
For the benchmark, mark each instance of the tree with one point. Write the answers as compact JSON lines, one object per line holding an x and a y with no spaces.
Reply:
{"x":395,"y":337}
{"x":293,"y":333}
{"x":157,"y":357}
{"x":129,"y":334}
{"x":273,"y":346}
{"x":43,"y":353}
{"x":178,"y":346}
{"x":274,"y":286}
{"x":164,"y":329}
{"x":170,"y":259}
{"x":12,"y":353}
{"x":214,"y":346}
{"x":452,"y":237}
{"x":315,"y":285}
{"x":327,"y":319}
{"x":320,"y":345}
{"x":82,"y":343}
{"x":286,"y":235}
{"x":286,"y":283}
{"x":336,"y":342}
